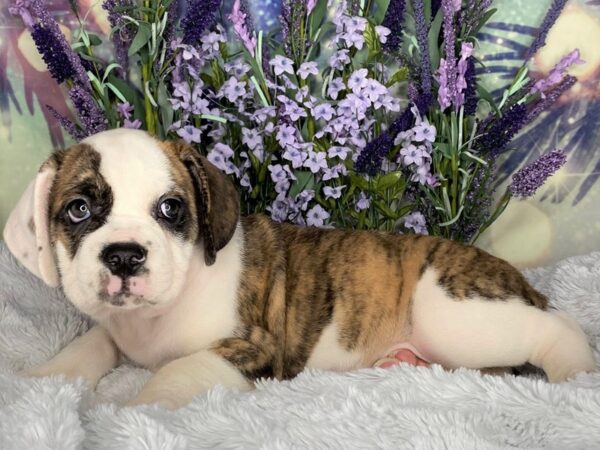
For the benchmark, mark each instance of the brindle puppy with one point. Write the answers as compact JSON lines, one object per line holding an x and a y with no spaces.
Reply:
{"x":145,"y":237}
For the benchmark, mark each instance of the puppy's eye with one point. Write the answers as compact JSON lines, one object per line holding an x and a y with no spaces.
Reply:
{"x":78,"y":210}
{"x":170,"y":209}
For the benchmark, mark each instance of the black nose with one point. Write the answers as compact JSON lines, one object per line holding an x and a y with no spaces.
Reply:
{"x":123,"y":258}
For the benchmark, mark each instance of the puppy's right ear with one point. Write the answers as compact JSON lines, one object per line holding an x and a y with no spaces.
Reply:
{"x":27,"y":231}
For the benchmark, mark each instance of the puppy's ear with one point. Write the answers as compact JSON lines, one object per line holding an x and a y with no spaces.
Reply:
{"x":217,"y":202}
{"x":27,"y":231}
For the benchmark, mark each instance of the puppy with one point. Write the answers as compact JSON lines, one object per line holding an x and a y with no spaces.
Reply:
{"x":146,"y":238}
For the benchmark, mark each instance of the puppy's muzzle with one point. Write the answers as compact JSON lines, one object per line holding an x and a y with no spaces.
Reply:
{"x":124,"y":259}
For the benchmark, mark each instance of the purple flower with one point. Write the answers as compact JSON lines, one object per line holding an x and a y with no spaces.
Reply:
{"x":412,"y":155}
{"x":424,"y":132}
{"x":199,"y":17}
{"x":358,"y":80}
{"x":336,"y":85}
{"x":316,"y":161}
{"x":242,"y":25}
{"x":90,"y":114}
{"x":295,"y":156}
{"x":339,"y":59}
{"x":220,"y":156}
{"x":233,"y":89}
{"x":303,"y":199}
{"x":135,"y":125}
{"x":74,"y":131}
{"x":471,"y":97}
{"x":316,"y":216}
{"x":549,"y":19}
{"x":530,"y":178}
{"x":279,"y":208}
{"x":333,"y":192}
{"x":286,"y":135}
{"x":374,"y":89}
{"x":558,"y":73}
{"x":263,"y":114}
{"x":280,"y":173}
{"x":310,"y":5}
{"x":62,"y":62}
{"x":416,"y":222}
{"x":125,"y":110}
{"x":123,"y":34}
{"x":550,"y":98}
{"x":363,"y":202}
{"x":191,"y":134}
{"x":422,"y":40}
{"x":251,"y":138}
{"x":393,"y":19}
{"x":503,"y":129}
{"x":306,"y":69}
{"x":338,"y":152}
{"x":282,"y":64}
{"x":323,"y":111}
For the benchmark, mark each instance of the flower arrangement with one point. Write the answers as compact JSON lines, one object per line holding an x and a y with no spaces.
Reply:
{"x":364,"y":114}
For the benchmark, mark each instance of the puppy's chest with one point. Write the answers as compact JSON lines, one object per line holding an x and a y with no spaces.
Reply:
{"x":193,"y":326}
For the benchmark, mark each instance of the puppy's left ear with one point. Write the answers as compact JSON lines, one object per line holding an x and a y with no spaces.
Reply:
{"x":27,"y":230}
{"x":217,"y":202}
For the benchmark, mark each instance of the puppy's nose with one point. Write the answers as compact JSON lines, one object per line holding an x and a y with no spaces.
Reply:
{"x":123,"y":258}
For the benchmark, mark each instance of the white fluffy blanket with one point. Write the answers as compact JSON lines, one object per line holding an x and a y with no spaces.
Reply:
{"x":403,"y":407}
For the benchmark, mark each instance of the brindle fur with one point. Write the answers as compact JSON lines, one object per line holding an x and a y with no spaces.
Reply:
{"x":297,"y":280}
{"x":77,"y":174}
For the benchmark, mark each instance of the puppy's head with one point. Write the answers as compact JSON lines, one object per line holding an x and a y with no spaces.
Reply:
{"x":115,"y":220}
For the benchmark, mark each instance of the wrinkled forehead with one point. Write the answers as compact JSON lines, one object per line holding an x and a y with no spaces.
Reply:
{"x":135,"y":166}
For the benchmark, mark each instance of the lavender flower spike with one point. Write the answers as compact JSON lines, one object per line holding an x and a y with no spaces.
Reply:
{"x":62,"y":62}
{"x":422,"y":40}
{"x":551,"y":16}
{"x":393,"y":19}
{"x":200,"y":16}
{"x":242,"y":25}
{"x":530,"y":178}
{"x":90,"y":114}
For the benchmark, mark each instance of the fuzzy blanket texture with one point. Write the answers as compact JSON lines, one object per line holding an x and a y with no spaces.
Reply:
{"x":402,"y":407}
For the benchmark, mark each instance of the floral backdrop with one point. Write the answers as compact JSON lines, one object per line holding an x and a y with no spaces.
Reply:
{"x":559,"y":221}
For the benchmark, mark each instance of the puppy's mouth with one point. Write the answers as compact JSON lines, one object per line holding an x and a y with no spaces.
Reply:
{"x":124,"y":291}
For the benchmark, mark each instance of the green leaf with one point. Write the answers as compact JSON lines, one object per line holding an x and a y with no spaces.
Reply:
{"x":433,"y":39}
{"x":118,"y":93}
{"x":141,"y":38}
{"x":484,"y":94}
{"x":165,"y":107}
{"x":381,"y":7}
{"x":444,"y":149}
{"x":109,"y":69}
{"x":94,"y":40}
{"x":358,"y":181}
{"x":304,"y":180}
{"x":484,"y":20}
{"x":400,"y":75}
{"x":392,"y":179}
{"x":317,"y":15}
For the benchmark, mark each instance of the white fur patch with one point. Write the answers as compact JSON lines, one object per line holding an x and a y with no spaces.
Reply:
{"x":328,"y":354}
{"x":478,"y":333}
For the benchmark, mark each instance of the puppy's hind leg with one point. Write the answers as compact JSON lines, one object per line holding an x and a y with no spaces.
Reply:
{"x":478,"y":332}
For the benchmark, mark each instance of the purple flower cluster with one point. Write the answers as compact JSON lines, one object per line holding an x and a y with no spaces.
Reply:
{"x":90,"y":114}
{"x":549,"y":20}
{"x":422,"y":39}
{"x":558,"y":73}
{"x":502,"y":130}
{"x":394,"y":18}
{"x":530,"y":178}
{"x":63,"y":63}
{"x":123,"y":37}
{"x":242,"y":25}
{"x":199,"y":17}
